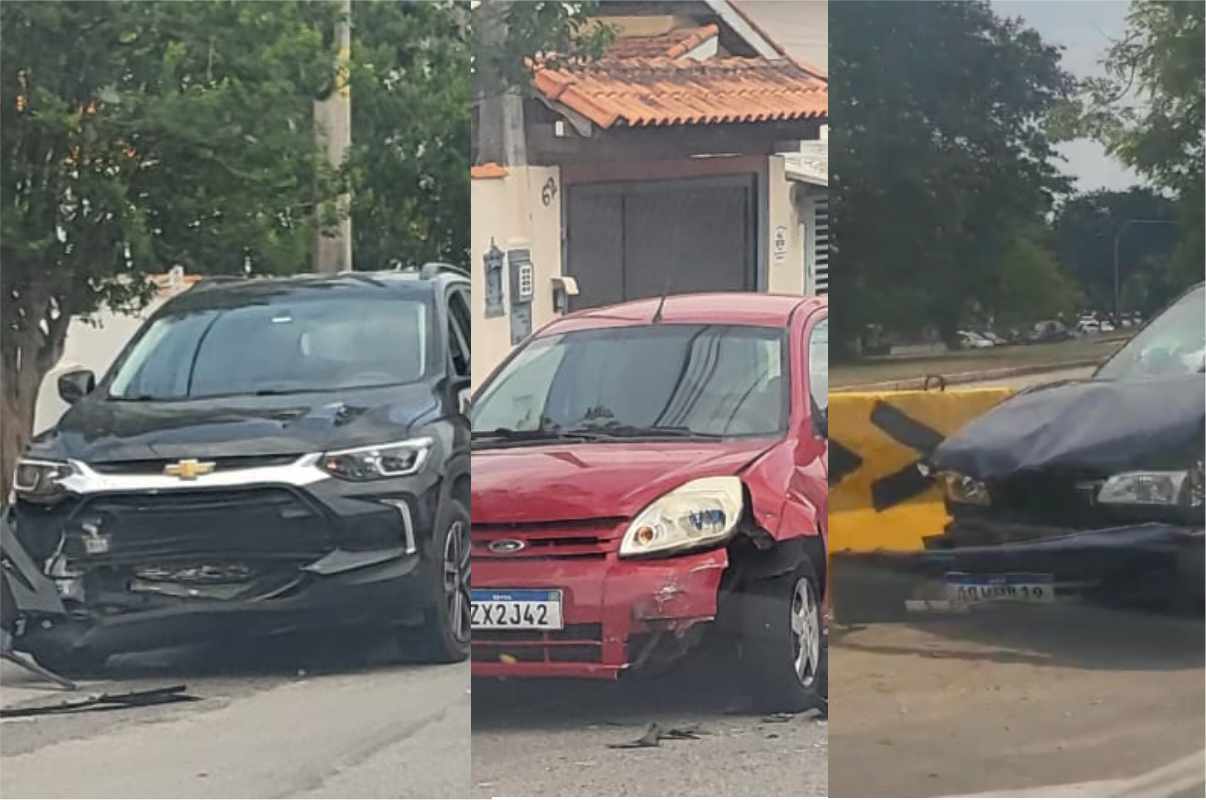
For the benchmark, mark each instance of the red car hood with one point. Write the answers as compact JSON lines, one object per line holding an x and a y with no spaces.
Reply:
{"x":551,"y":483}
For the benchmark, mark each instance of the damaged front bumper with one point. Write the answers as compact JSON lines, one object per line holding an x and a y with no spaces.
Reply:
{"x":340,"y":588}
{"x":1154,"y":565}
{"x":125,"y":572}
{"x":618,"y":614}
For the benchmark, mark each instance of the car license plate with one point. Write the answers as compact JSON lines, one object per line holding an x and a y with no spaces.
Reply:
{"x":963,"y":588}
{"x":516,"y":609}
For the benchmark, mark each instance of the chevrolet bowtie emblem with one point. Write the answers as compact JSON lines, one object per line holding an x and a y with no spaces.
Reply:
{"x":189,"y":469}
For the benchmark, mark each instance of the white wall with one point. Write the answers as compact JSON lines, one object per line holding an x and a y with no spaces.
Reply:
{"x":511,"y":211}
{"x":90,"y":346}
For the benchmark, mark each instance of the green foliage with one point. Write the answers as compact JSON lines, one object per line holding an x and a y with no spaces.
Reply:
{"x":409,"y":163}
{"x":1083,"y":233}
{"x":1033,"y":285}
{"x":510,"y":33}
{"x":1149,"y":112}
{"x":938,"y":112}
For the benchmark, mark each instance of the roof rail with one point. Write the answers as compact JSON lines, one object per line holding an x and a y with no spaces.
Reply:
{"x":434,"y":268}
{"x":213,"y":280}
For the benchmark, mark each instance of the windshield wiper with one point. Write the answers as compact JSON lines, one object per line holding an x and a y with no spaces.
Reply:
{"x":620,"y":431}
{"x":537,"y":435}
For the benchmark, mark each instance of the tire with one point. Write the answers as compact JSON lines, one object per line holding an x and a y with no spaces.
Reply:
{"x":786,"y":649}
{"x":444,"y":636}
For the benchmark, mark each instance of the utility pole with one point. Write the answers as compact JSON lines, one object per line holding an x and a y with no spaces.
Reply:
{"x":1118,"y":238}
{"x":333,"y":132}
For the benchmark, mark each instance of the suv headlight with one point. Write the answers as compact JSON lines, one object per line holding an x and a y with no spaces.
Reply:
{"x":698,"y":513}
{"x":964,"y":489}
{"x":1155,"y":488}
{"x":375,"y":462}
{"x":41,"y":481}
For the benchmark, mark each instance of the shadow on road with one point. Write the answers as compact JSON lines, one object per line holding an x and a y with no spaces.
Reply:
{"x":705,"y":682}
{"x":285,"y":656}
{"x":1070,"y":635}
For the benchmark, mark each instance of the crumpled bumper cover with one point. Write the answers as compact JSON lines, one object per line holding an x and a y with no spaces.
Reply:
{"x":610,"y":600}
{"x":341,"y":587}
{"x":1111,"y":564}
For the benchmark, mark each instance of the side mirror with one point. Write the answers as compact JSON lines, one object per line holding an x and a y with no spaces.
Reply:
{"x":75,"y":385}
{"x":820,"y":422}
{"x":460,"y":388}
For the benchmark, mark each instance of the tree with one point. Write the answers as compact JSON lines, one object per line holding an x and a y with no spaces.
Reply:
{"x":1163,"y":56}
{"x":138,"y":135}
{"x":937,"y":112}
{"x":1083,"y":231}
{"x":409,"y":163}
{"x":508,"y":38}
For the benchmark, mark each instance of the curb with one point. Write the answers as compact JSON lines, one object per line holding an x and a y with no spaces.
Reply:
{"x":1181,"y":776}
{"x":914,"y":384}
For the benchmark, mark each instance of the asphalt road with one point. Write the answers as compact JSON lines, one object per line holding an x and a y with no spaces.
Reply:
{"x":555,"y":738}
{"x":1067,"y":701}
{"x":341,"y":718}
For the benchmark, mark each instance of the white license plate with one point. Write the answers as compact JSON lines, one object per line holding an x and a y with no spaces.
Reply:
{"x":964,"y":588}
{"x":516,"y":609}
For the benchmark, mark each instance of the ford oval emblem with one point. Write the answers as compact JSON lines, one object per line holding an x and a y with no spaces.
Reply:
{"x":506,"y":546}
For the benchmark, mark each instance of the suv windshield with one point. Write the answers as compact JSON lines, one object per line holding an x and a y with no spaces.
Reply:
{"x":701,"y":379}
{"x":1173,"y":344}
{"x":277,"y":347}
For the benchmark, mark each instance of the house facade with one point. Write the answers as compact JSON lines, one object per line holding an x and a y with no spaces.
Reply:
{"x":684,"y":160}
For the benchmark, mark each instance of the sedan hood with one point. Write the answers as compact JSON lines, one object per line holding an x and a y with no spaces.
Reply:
{"x":559,"y":482}
{"x":99,"y":430}
{"x":1101,"y":427}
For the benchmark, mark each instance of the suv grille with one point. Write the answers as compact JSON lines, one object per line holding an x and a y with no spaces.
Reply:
{"x":270,"y":523}
{"x":591,"y":538}
{"x":156,"y":466}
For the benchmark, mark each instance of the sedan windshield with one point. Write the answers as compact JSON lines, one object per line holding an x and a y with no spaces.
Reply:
{"x":276,"y":348}
{"x":707,"y":380}
{"x":1173,"y":344}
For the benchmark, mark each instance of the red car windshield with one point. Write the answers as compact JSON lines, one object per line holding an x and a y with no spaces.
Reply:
{"x":716,"y":380}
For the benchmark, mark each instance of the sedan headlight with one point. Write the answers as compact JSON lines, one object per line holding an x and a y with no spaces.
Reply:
{"x":376,"y":462}
{"x":964,"y":489}
{"x":1154,"y":488}
{"x":41,"y":481}
{"x":698,"y":513}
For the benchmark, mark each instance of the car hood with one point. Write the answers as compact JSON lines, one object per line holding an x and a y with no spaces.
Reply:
{"x":98,"y":430}
{"x":575,"y":481}
{"x":1100,"y":427}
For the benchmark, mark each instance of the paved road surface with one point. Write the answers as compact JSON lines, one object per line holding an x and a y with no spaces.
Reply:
{"x":1075,"y":702}
{"x":280,"y":720}
{"x":551,"y":738}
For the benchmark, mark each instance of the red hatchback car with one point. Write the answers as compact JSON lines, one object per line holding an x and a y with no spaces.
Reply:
{"x":647,"y":472}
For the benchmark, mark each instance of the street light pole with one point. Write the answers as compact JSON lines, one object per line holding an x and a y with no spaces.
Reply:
{"x":1118,"y":238}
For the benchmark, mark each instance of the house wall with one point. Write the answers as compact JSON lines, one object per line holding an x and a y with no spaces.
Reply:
{"x":512,"y":212}
{"x":785,"y":251}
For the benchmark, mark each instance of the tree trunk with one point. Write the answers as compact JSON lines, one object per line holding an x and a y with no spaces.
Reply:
{"x":26,"y":356}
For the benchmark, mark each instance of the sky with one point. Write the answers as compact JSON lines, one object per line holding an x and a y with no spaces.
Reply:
{"x":1085,"y":28}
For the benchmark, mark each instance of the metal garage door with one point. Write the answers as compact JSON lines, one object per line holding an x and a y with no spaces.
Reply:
{"x":625,"y":241}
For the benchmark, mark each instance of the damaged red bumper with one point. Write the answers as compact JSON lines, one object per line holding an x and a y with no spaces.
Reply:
{"x":614,"y":612}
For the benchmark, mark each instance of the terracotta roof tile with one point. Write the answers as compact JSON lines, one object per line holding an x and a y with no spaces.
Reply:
{"x":489,"y":171}
{"x":640,"y":92}
{"x":675,"y":44}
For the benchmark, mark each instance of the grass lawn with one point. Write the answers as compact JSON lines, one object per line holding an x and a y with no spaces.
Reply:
{"x":876,"y":370}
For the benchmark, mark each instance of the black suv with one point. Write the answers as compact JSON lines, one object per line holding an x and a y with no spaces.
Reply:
{"x":265,"y":455}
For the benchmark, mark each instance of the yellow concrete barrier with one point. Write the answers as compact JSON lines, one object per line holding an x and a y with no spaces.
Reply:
{"x":878,"y":499}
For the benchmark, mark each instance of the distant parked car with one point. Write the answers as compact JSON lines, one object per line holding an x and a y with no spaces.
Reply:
{"x":1088,"y":326}
{"x":995,"y":338}
{"x":1049,"y":331}
{"x":970,"y":340}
